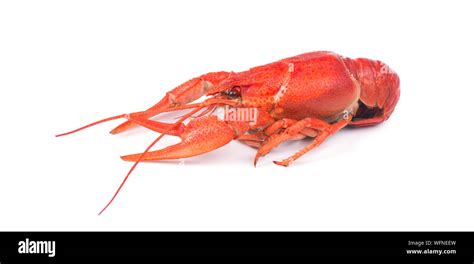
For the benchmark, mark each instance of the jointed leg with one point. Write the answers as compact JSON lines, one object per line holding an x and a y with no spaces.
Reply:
{"x":160,"y":127}
{"x":316,"y":142}
{"x":325,"y":129}
{"x":291,"y":131}
{"x":287,"y":122}
{"x":253,"y":140}
{"x":183,"y":94}
{"x":199,"y":136}
{"x":282,"y":123}
{"x":256,"y":140}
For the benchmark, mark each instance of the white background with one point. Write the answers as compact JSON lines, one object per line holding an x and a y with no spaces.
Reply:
{"x":66,"y":63}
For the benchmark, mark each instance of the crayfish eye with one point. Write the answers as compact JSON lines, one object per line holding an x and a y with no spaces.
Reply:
{"x":233,"y":92}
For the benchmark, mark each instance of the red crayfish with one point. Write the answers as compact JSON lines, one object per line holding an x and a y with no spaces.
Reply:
{"x":310,"y":95}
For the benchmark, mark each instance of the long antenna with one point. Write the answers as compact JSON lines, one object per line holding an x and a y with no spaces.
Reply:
{"x":92,"y":124}
{"x":180,"y":121}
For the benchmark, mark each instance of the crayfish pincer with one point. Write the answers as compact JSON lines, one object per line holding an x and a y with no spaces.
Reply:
{"x":309,"y":95}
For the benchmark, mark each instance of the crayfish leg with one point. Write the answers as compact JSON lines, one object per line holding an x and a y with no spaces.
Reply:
{"x":160,"y":127}
{"x":294,"y":128}
{"x":325,"y":133}
{"x":200,"y":135}
{"x":253,"y":140}
{"x":183,"y":94}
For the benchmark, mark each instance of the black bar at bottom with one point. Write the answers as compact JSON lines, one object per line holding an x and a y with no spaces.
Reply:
{"x":447,"y":247}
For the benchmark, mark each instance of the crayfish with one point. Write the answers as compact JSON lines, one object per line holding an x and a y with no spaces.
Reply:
{"x":309,"y":95}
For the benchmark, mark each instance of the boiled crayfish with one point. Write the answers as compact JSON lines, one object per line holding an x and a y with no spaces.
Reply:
{"x":310,"y":95}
